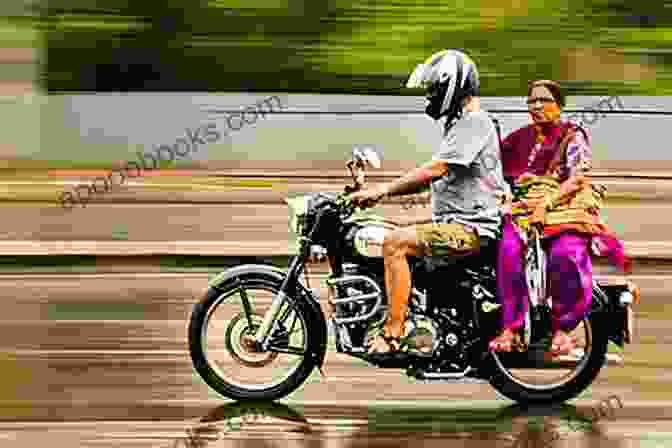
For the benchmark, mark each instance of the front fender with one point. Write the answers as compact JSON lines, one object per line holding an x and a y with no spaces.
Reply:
{"x":245,"y":270}
{"x":305,"y":300}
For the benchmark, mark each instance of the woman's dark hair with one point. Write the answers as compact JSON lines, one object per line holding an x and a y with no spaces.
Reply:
{"x":553,"y":86}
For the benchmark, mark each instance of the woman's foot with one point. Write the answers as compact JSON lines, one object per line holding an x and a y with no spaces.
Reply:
{"x":504,"y":342}
{"x":562,"y":344}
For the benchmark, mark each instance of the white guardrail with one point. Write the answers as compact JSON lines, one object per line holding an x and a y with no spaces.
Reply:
{"x":111,"y":128}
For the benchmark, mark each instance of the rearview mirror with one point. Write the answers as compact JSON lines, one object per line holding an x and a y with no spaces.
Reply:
{"x":367,"y":155}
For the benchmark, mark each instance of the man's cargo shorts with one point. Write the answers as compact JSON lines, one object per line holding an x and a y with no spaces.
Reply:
{"x":450,"y":239}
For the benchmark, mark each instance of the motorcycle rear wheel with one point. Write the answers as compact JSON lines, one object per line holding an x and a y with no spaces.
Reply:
{"x":586,"y":371}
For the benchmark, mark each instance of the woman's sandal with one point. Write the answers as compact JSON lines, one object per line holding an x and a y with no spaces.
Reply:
{"x":507,"y":341}
{"x":562,"y":344}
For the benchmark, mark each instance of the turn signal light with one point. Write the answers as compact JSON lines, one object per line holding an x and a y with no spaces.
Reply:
{"x":636,"y":292}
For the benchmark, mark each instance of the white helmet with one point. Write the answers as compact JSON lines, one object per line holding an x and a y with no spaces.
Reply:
{"x":447,"y":77}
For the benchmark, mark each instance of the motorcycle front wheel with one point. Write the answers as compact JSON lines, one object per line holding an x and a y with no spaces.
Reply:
{"x":219,"y":330}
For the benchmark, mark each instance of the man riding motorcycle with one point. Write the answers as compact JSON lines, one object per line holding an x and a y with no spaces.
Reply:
{"x":466,"y":179}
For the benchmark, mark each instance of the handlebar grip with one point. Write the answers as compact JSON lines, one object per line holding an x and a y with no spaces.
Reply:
{"x":343,"y":201}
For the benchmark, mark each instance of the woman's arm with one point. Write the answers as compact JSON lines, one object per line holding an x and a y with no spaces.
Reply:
{"x":577,"y":167}
{"x":578,"y":163}
{"x":579,"y":156}
{"x":508,"y":156}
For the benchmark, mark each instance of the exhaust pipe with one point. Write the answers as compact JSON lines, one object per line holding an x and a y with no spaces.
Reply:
{"x":443,"y":376}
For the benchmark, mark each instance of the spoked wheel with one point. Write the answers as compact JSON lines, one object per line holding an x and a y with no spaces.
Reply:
{"x":534,"y":377}
{"x":221,"y":341}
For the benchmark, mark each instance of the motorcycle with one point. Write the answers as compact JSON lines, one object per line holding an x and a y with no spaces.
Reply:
{"x":454,"y":305}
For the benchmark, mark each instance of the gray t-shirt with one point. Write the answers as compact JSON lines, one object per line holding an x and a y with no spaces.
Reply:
{"x":467,"y":193}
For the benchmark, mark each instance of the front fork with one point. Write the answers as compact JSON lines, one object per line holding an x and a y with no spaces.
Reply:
{"x":270,"y":322}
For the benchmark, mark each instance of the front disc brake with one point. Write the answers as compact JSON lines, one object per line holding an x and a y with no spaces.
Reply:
{"x":241,"y":346}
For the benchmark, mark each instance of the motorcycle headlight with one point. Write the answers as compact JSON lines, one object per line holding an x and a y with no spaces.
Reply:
{"x":298,"y":207}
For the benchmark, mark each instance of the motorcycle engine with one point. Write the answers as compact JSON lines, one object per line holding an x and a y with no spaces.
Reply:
{"x":464,"y":310}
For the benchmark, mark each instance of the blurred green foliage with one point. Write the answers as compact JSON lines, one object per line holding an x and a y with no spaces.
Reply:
{"x":353,"y":46}
{"x":17,"y":33}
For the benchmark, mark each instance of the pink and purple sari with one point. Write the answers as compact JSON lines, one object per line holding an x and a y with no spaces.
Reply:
{"x":569,"y":245}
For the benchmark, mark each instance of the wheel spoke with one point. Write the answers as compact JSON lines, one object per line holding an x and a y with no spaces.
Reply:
{"x":291,"y":329}
{"x":288,"y":350}
{"x":285,"y":314}
{"x":229,"y":294}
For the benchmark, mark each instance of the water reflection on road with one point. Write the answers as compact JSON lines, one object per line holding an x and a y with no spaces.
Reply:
{"x":276,"y":424}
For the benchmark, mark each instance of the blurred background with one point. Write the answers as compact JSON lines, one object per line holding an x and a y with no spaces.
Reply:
{"x":595,"y":47}
{"x":61,"y":50}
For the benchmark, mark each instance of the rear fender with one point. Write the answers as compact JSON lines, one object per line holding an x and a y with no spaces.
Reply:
{"x":607,"y":305}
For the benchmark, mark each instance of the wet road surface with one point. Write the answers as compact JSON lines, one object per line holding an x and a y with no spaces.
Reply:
{"x":330,"y":424}
{"x":101,"y":360}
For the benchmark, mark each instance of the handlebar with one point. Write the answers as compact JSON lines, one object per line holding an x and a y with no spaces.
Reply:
{"x":345,"y":204}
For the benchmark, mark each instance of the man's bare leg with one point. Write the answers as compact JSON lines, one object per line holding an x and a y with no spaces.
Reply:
{"x":444,"y":240}
{"x":396,"y":247}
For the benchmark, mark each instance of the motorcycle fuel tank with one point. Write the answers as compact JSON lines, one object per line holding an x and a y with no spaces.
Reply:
{"x":368,"y":240}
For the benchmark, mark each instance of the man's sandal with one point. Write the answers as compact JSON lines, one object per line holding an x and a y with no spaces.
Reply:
{"x":393,"y":344}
